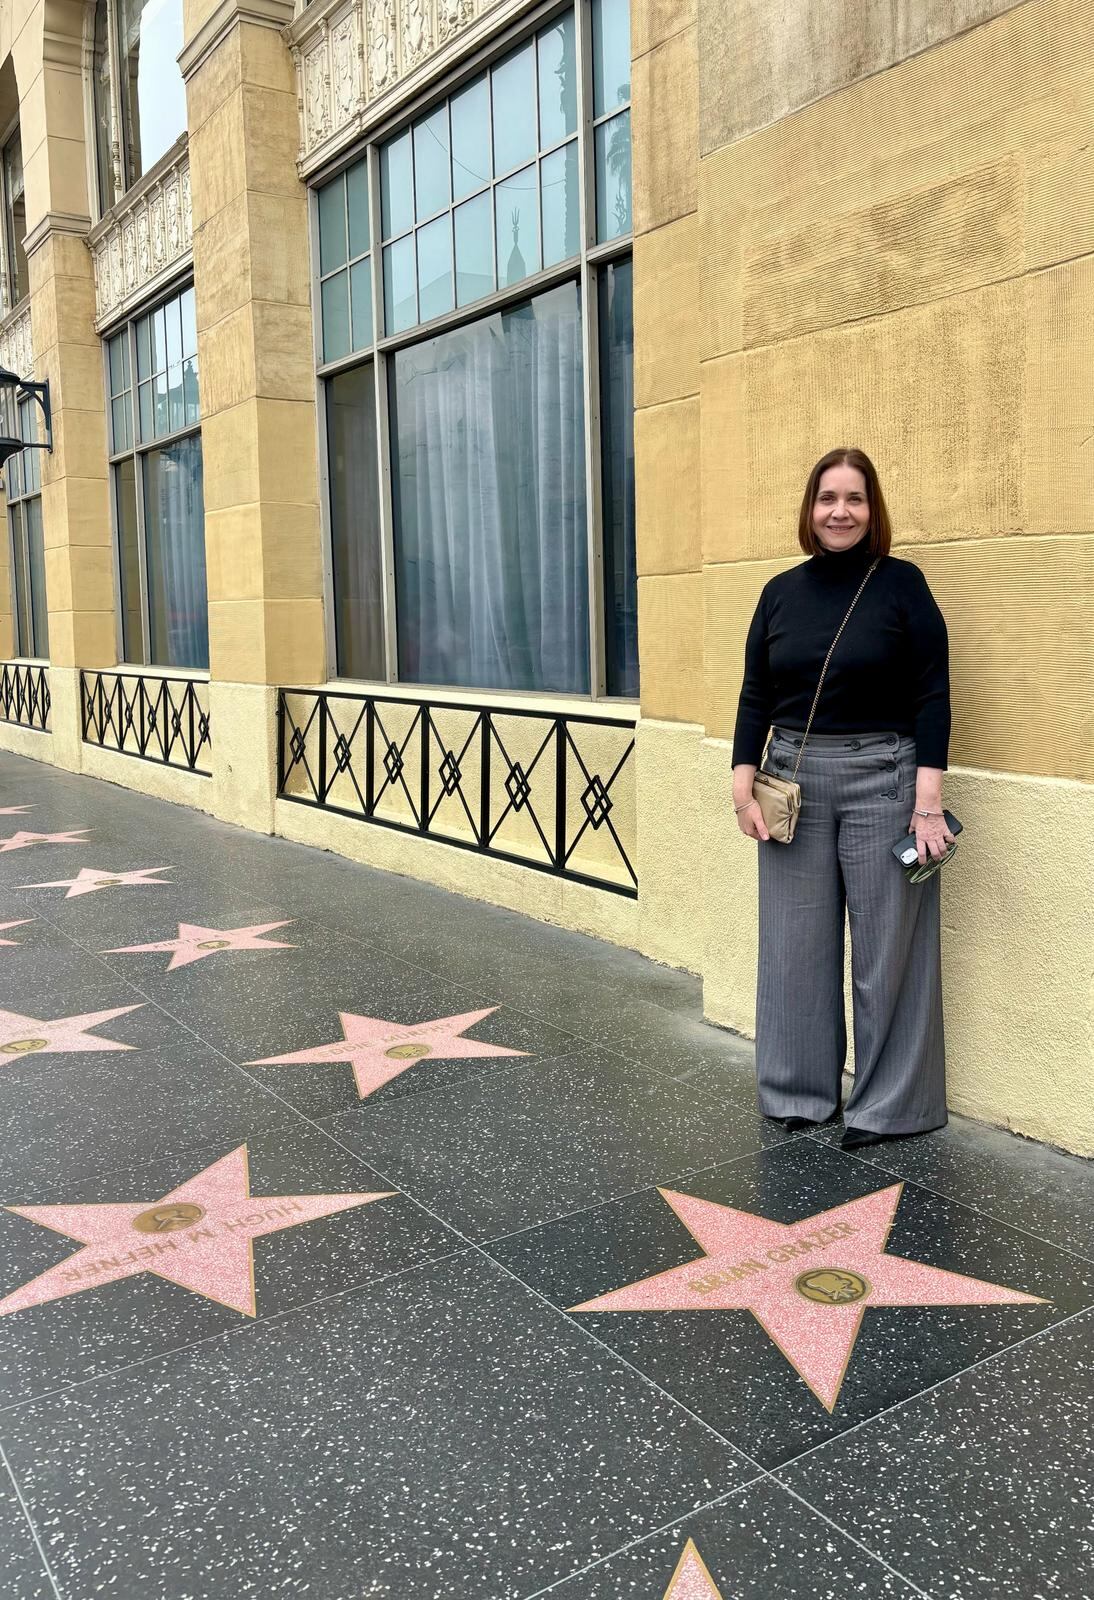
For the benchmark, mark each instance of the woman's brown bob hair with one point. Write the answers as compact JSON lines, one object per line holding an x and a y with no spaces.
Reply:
{"x":879,"y":534}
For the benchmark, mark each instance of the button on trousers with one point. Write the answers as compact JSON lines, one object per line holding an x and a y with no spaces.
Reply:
{"x":857,"y":799}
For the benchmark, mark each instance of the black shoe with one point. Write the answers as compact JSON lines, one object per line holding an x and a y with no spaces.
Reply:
{"x":859,"y":1138}
{"x":796,"y":1124}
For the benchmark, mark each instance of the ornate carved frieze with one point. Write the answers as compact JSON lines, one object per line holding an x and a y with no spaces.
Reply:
{"x":147,"y":234}
{"x":16,"y":344}
{"x":349,"y":55}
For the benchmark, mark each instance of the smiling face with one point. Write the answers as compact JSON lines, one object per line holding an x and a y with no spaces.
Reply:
{"x":841,"y":511}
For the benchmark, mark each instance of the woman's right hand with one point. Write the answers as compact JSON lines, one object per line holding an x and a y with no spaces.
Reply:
{"x":751,"y":822}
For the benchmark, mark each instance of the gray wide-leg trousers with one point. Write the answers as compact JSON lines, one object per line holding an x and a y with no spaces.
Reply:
{"x":857,"y":800}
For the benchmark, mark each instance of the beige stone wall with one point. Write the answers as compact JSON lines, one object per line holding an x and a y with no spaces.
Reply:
{"x":891,"y":245}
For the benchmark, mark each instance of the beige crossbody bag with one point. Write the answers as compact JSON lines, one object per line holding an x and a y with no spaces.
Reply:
{"x":780,"y":799}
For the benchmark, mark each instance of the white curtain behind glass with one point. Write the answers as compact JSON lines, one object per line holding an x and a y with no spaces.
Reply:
{"x":488,"y":450}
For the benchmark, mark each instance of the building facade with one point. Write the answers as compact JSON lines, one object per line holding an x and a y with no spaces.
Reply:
{"x":431,"y":385}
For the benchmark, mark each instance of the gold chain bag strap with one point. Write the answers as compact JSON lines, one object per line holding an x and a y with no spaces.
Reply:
{"x":780,"y":799}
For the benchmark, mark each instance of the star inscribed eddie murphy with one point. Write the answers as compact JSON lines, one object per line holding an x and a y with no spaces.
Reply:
{"x":807,"y":1283}
{"x":199,"y":1235}
{"x":194,"y":942}
{"x":379,"y":1051}
{"x":88,"y":879}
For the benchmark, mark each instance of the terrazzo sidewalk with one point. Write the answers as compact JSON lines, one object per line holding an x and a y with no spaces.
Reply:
{"x":362,"y":1241}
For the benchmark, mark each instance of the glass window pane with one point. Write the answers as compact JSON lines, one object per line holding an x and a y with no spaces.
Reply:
{"x":159,"y":404}
{"x":175,"y":411}
{"x":153,"y":97}
{"x":121,"y":438}
{"x":118,"y":351}
{"x":335,"y":304}
{"x":144,"y":354}
{"x":615,"y":288}
{"x":470,"y":111}
{"x":173,"y":321}
{"x":557,"y":81}
{"x":125,"y":521}
{"x":561,"y":216}
{"x":332,"y":225}
{"x":360,"y":294}
{"x":613,"y":177}
{"x":355,"y":524}
{"x":396,"y":186}
{"x":611,"y":54}
{"x":357,"y":199}
{"x":174,"y":524}
{"x":431,"y":159}
{"x":514,"y":89}
{"x":517,"y":205}
{"x":400,"y":302}
{"x":474,"y":249}
{"x":189,"y":322}
{"x":36,"y":575}
{"x":435,"y":268}
{"x":146,"y":410}
{"x":13,"y":476}
{"x":159,"y":340}
{"x":190,"y":393}
{"x":488,"y":486}
{"x":15,"y":220}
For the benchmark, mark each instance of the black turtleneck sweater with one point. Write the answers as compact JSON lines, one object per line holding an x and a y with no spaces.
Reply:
{"x":889,"y":672}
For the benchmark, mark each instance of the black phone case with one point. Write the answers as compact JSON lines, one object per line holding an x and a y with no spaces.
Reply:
{"x":907,"y":841}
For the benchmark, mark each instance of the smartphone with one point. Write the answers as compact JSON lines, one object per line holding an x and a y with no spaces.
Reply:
{"x":906,"y":850}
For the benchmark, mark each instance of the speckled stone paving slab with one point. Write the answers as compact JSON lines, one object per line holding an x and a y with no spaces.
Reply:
{"x":443,"y":1433}
{"x":749,"y":1378}
{"x":23,"y":1574}
{"x":982,"y":1488}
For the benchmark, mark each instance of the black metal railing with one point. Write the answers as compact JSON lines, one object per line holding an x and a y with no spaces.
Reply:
{"x":155,"y":719}
{"x":24,"y":695}
{"x":551,"y":791}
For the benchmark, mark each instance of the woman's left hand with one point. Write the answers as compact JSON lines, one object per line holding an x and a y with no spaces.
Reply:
{"x":932,"y":836}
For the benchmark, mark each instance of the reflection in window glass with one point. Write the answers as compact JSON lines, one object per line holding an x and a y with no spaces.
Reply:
{"x":517,"y":204}
{"x":615,"y":287}
{"x":611,"y":54}
{"x":335,"y":310}
{"x":396,"y":186}
{"x":36,"y":572}
{"x":357,"y":206}
{"x":153,"y":96}
{"x":355,"y":524}
{"x":513,"y":85}
{"x":561,"y":205}
{"x":360,"y":287}
{"x":174,"y":522}
{"x":474,"y":250}
{"x":332,"y":225}
{"x":557,"y":82}
{"x":613,"y":177}
{"x":400,"y":296}
{"x":470,"y":111}
{"x":435,"y":268}
{"x":21,"y":619}
{"x":488,"y":483}
{"x":431,"y":164}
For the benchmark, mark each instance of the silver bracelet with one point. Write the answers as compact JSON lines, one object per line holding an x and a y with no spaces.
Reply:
{"x":918,"y":813}
{"x":738,"y":809}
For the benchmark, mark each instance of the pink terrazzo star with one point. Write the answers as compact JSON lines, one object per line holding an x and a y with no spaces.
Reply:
{"x":88,"y":879}
{"x":194,"y":942}
{"x":23,"y":841}
{"x":22,"y":924}
{"x":691,"y":1580}
{"x":14,"y":811}
{"x":25,"y":1036}
{"x":199,"y":1236}
{"x":806,"y":1283}
{"x":379,"y":1051}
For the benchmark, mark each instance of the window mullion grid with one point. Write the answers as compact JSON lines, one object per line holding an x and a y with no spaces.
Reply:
{"x":492,"y":189}
{"x":330,"y":623}
{"x":590,"y":365}
{"x":383,"y":424}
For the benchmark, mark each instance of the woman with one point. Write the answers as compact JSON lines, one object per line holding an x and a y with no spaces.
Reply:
{"x":876,"y":753}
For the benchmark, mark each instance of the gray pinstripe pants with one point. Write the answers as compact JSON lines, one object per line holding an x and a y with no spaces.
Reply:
{"x":857,"y":798}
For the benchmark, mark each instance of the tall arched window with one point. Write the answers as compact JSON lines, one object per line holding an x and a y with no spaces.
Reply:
{"x":140,"y":98}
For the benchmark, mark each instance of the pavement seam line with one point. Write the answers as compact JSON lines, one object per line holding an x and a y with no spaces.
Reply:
{"x":30,"y":1523}
{"x":839,"y":1528}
